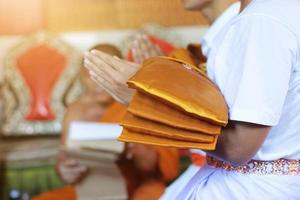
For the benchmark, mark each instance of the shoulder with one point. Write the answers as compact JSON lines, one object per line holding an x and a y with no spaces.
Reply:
{"x":270,"y":20}
{"x":283,"y":12}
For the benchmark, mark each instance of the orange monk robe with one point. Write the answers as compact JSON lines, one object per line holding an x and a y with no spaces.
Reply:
{"x":168,"y":162}
{"x":65,"y":193}
{"x":168,"y":157}
{"x":114,"y":113}
{"x":168,"y":165}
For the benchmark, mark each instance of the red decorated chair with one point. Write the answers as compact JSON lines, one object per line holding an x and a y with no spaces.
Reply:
{"x":39,"y":78}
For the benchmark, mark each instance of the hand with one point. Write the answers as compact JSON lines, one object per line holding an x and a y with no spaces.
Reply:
{"x":111,"y":73}
{"x":142,"y":49}
{"x":70,"y":171}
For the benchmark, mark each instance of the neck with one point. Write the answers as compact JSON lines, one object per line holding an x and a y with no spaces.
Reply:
{"x":244,"y":4}
{"x":208,"y":13}
{"x":214,"y":9}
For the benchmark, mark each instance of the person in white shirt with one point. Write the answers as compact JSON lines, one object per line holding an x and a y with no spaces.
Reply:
{"x":255,"y":62}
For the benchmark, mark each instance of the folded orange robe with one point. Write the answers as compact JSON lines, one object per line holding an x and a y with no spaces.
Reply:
{"x":131,"y":136}
{"x":182,"y":86}
{"x":147,"y":107}
{"x":182,"y":54}
{"x":175,"y":105}
{"x":168,"y":157}
{"x":137,"y":124}
{"x":114,"y":113}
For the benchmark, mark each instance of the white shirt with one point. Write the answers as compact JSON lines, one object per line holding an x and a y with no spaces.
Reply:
{"x":255,"y":62}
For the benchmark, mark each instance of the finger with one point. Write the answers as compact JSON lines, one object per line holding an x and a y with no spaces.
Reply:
{"x":96,"y":64}
{"x":146,"y":41}
{"x":108,"y":59}
{"x":124,"y":68}
{"x":149,"y":46}
{"x":136,"y":55}
{"x":75,"y":170}
{"x":73,"y":176}
{"x":107,"y":87}
{"x":69,"y":179}
{"x":70,"y":175}
{"x":144,"y":48}
{"x":105,"y":72}
{"x":64,"y":173}
{"x":158,"y":51}
{"x":143,"y":55}
{"x":111,"y":64}
{"x":116,"y":57}
{"x":70,"y":163}
{"x":79,"y":169}
{"x":91,"y":66}
{"x":102,"y":82}
{"x":140,"y":48}
{"x":153,"y":49}
{"x":94,"y":59}
{"x":100,"y":75}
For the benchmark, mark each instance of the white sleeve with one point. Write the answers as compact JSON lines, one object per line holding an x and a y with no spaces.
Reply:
{"x":258,"y":53}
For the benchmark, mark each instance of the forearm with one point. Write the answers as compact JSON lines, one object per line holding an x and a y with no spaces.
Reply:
{"x":229,"y":150}
{"x":239,"y":142}
{"x":127,"y":97}
{"x":65,"y":129}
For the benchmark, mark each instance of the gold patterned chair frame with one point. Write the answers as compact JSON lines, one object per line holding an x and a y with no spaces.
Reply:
{"x":40,"y":76}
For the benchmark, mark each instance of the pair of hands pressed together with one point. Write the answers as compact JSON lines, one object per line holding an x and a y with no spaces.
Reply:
{"x":69,"y":170}
{"x":112,"y":73}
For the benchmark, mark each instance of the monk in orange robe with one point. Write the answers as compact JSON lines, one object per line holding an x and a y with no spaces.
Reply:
{"x":146,"y":169}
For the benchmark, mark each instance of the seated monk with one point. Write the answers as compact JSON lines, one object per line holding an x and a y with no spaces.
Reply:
{"x":1,"y":103}
{"x":146,"y":169}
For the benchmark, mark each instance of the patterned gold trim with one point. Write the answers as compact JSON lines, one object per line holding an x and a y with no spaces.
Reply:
{"x":17,"y":96}
{"x":274,"y":167}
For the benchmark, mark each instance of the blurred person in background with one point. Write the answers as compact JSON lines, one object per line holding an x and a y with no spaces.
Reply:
{"x":146,"y":169}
